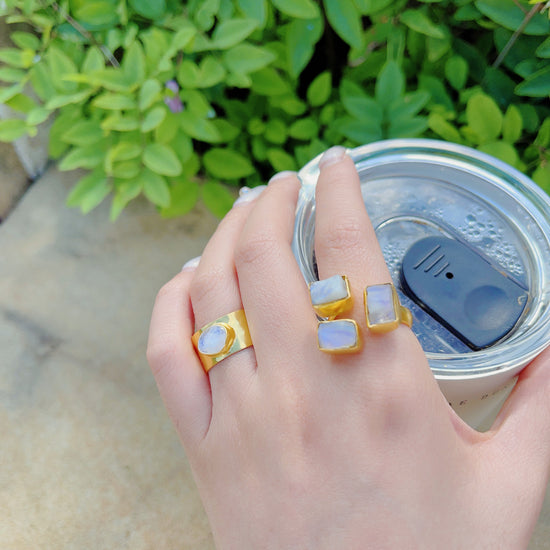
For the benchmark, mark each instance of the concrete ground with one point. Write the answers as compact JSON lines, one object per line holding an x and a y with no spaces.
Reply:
{"x":89,"y":459}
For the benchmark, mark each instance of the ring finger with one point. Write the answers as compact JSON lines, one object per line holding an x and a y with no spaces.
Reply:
{"x":215,"y":292}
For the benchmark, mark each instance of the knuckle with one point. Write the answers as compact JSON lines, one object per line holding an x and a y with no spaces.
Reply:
{"x":343,"y":235}
{"x":206,"y":284}
{"x":255,"y":249}
{"x":161,"y":356}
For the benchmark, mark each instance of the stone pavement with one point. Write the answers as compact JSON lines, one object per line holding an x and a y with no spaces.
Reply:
{"x":89,"y":459}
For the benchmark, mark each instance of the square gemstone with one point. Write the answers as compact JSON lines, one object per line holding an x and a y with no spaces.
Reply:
{"x":339,"y":335}
{"x":380,"y":304}
{"x":328,"y":290}
{"x":212,"y":340}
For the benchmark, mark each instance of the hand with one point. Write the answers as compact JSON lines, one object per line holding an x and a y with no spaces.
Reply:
{"x":293,"y":448}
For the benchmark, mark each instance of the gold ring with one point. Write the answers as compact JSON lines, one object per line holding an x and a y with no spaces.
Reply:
{"x":383,"y":309}
{"x":222,"y":338}
{"x":329,"y":298}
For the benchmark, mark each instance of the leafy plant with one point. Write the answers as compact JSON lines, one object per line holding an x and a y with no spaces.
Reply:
{"x":170,"y":99}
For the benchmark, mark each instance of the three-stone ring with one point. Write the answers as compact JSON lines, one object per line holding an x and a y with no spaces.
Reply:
{"x":222,"y":338}
{"x":332,"y":296}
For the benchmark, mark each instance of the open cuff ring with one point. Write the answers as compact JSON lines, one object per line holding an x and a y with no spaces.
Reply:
{"x":383,"y":309}
{"x":222,"y":338}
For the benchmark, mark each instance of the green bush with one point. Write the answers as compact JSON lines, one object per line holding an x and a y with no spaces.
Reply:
{"x":169,"y":99}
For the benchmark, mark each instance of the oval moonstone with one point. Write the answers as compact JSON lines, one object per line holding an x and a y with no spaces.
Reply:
{"x":212,"y":340}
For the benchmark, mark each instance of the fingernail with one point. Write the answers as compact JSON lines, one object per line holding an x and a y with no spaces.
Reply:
{"x":250,"y":195}
{"x":243,"y":190}
{"x":282,"y":175}
{"x":332,"y":156}
{"x":193,"y":263}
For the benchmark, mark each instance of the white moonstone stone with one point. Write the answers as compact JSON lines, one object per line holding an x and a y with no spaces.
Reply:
{"x":337,"y":335}
{"x":380,"y":304}
{"x":328,"y":290}
{"x":212,"y":340}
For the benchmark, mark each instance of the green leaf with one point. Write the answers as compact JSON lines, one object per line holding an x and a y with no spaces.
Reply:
{"x":512,"y":124}
{"x":61,"y":65}
{"x":537,"y":85}
{"x":153,"y":118}
{"x":543,"y":50}
{"x":7,"y":93}
{"x":345,"y":19}
{"x":211,"y":72}
{"x":82,"y":157}
{"x":254,"y":9}
{"x":275,"y":131}
{"x":300,"y":39}
{"x":21,"y":103}
{"x":120,"y":123}
{"x":418,"y":21}
{"x":281,"y":160}
{"x":89,"y":191}
{"x":359,"y":131}
{"x":83,"y":133}
{"x":408,"y":105}
{"x":25,"y":40}
{"x":501,"y":150}
{"x":97,"y":13}
{"x":37,"y":116}
{"x":443,"y":128}
{"x":133,"y":64}
{"x":21,"y":59}
{"x":155,"y":187}
{"x":148,"y":9}
{"x":161,"y":159}
{"x":371,"y":7}
{"x":510,"y":15}
{"x":199,"y":128}
{"x":542,"y":176}
{"x":62,"y":100}
{"x":124,"y":192}
{"x":320,"y":89}
{"x":246,"y":58}
{"x":41,"y":81}
{"x":390,"y":83}
{"x":484,"y":117}
{"x":543,"y":135}
{"x":407,"y":127}
{"x":269,"y":82}
{"x":231,"y":32}
{"x":148,"y":93}
{"x":123,"y":150}
{"x":217,"y":198}
{"x":456,"y":71}
{"x":127,"y":170}
{"x":358,"y":104}
{"x":113,"y":101}
{"x":7,"y":74}
{"x":183,"y":197}
{"x":304,"y":129}
{"x":188,"y":74}
{"x":227,"y":164}
{"x":12,"y":129}
{"x":435,"y":88}
{"x":302,"y":9}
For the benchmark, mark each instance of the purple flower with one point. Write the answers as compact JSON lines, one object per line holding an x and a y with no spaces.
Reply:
{"x":173,"y":101}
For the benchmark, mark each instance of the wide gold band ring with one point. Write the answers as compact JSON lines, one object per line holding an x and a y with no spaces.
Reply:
{"x":222,"y":338}
{"x":383,"y":310}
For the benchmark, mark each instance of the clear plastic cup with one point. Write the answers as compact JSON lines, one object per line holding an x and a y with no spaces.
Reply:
{"x":414,"y":188}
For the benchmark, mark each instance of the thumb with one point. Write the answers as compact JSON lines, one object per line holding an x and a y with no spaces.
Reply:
{"x":522,"y":427}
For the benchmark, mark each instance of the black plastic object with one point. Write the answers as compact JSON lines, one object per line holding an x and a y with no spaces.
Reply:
{"x":462,"y":290}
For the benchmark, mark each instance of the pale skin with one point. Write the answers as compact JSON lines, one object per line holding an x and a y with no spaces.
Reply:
{"x":293,"y":448}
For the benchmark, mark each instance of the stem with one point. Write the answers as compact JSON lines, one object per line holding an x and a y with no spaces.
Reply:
{"x":79,"y":28}
{"x":532,"y":12}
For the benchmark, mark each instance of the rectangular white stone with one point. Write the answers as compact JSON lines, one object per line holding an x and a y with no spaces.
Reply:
{"x":328,"y":290}
{"x":380,"y":304}
{"x":338,"y":335}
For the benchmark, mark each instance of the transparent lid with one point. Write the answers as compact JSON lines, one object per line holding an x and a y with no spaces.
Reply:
{"x":416,"y":188}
